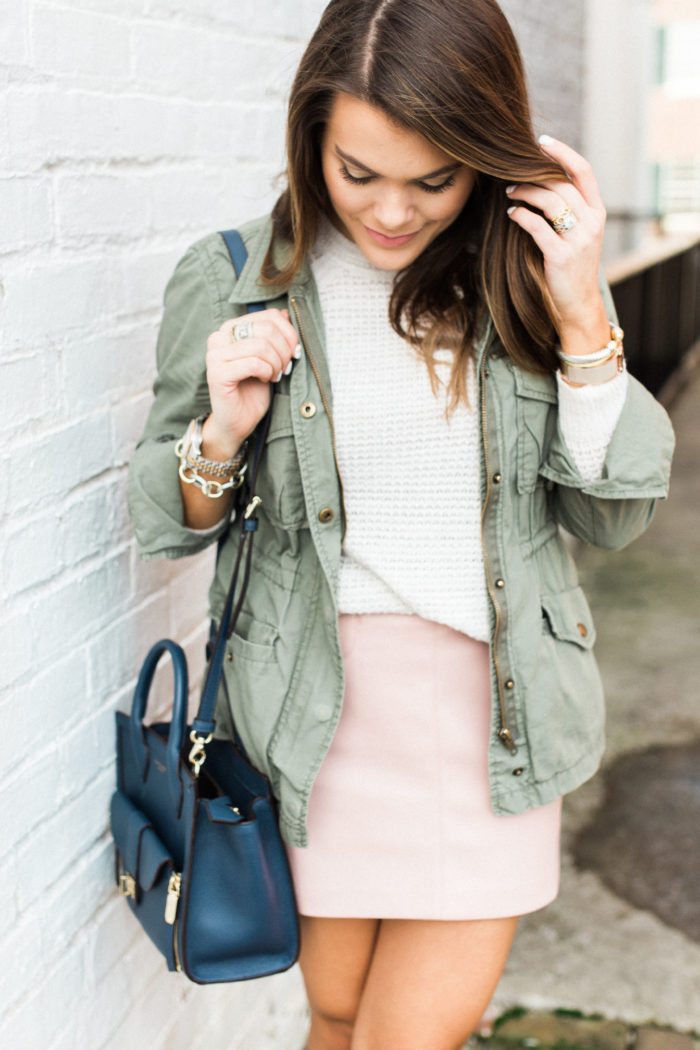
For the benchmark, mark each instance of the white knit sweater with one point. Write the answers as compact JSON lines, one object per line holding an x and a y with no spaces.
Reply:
{"x":412,"y":477}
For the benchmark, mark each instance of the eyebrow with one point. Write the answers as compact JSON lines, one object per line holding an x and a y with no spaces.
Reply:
{"x":421,"y":178}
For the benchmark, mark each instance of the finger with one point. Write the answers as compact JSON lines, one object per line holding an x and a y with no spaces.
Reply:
{"x":579,"y":169}
{"x":221,"y":355}
{"x":264,"y":332}
{"x":593,"y":216}
{"x":223,"y":349}
{"x":258,"y":315}
{"x":550,"y":202}
{"x":221,"y":358}
{"x":549,"y":242}
{"x":254,"y":367}
{"x":261,"y":320}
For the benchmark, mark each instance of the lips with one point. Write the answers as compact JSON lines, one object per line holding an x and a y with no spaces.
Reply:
{"x":391,"y":242}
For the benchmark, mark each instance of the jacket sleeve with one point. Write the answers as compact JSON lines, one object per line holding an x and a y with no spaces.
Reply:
{"x":614,"y":510}
{"x":195,"y":306}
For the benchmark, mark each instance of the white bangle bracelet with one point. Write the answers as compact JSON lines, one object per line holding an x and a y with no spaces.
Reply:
{"x":597,"y":367}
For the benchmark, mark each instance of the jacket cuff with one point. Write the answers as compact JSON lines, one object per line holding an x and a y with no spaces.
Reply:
{"x":638,"y":459}
{"x":154,"y":488}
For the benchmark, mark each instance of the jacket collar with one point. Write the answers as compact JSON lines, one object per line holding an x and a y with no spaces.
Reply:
{"x":249,"y":288}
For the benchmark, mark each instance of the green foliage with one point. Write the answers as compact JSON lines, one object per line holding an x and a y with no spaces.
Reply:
{"x":509,"y":1015}
{"x":577,"y":1014}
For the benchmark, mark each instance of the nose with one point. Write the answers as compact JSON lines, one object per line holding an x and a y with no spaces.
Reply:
{"x":393,"y":210}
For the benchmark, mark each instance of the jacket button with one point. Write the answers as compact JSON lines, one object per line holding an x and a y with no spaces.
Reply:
{"x":582,"y":630}
{"x":500,"y":584}
{"x":510,"y":684}
{"x":326,"y":515}
{"x":497,"y":479}
{"x":518,"y":772}
{"x":308,"y":409}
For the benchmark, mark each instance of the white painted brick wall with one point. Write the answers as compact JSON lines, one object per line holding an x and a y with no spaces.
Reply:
{"x":128,"y":128}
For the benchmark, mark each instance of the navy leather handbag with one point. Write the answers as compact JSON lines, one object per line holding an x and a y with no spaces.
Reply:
{"x":199,"y":857}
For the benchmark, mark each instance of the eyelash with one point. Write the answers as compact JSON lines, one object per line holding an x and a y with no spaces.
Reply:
{"x":354,"y":181}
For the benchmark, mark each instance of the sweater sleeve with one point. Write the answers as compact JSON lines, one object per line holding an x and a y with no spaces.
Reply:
{"x":588,"y":416}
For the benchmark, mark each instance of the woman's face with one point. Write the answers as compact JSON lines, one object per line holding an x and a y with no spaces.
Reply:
{"x":392,"y":191}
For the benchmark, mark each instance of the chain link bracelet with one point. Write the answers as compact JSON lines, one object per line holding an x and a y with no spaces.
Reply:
{"x":193,"y":465}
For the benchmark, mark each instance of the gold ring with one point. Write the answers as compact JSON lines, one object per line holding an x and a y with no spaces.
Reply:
{"x":565,"y":220}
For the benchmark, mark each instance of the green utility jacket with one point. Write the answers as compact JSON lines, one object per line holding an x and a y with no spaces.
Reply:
{"x":285,"y":670}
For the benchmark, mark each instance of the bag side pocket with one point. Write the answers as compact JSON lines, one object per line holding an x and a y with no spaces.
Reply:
{"x":143,"y":870}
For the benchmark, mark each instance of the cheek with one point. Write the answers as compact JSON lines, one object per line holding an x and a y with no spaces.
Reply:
{"x":340,"y":198}
{"x":338,"y":189}
{"x":446,"y":207}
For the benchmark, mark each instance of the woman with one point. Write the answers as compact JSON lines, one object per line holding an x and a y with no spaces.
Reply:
{"x":412,"y":667}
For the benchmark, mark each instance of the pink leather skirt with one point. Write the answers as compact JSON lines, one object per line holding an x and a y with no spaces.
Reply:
{"x":400,"y":822}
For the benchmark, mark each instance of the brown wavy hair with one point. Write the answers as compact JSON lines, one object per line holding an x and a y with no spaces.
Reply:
{"x":450,"y":70}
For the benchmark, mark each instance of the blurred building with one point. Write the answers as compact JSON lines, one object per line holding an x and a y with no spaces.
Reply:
{"x":551,"y":38}
{"x":674,"y":130}
{"x":642,"y":116}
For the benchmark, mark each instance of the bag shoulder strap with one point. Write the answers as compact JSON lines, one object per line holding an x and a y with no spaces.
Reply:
{"x":204,"y":725}
{"x":237,"y":251}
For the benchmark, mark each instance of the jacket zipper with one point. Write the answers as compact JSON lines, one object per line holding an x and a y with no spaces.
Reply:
{"x":326,"y":406}
{"x":504,"y":733}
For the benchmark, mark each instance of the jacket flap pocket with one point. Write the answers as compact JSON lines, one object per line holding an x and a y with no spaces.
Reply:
{"x":534,"y":407}
{"x":538,"y":385}
{"x":569,"y":617}
{"x":142,"y":852}
{"x":281,"y":422}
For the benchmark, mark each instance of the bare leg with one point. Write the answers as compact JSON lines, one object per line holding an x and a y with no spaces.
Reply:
{"x":334,"y":959}
{"x":429,"y":983}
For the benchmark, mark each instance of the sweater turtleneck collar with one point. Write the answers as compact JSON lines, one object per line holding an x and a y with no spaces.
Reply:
{"x":331,"y":243}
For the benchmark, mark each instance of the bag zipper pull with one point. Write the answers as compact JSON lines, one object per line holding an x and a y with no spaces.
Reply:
{"x":173,"y":898}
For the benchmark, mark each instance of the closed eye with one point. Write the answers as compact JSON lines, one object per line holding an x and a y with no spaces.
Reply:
{"x":353,"y":179}
{"x":363,"y":180}
{"x":439,"y":188}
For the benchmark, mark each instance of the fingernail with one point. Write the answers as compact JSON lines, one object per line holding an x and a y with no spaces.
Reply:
{"x":278,"y":378}
{"x":297,"y":351}
{"x":509,"y":189}
{"x":546,"y":140}
{"x":288,"y":368}
{"x":509,"y":211}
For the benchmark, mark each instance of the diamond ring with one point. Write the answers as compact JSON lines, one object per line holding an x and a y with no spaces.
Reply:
{"x":565,"y":220}
{"x":242,"y":331}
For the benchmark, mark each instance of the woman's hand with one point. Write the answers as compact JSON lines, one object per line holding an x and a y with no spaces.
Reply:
{"x":572,"y":257}
{"x":239,"y":372}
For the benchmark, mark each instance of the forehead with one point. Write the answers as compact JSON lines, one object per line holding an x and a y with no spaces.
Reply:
{"x":368,"y":135}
